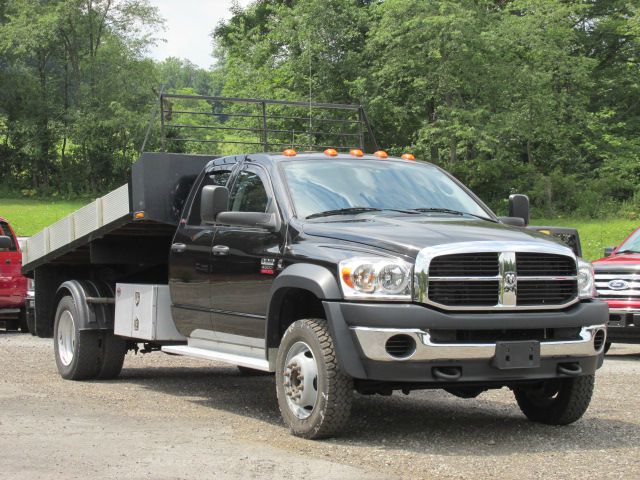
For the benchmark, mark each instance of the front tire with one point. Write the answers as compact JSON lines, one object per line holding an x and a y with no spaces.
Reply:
{"x":314,"y":395}
{"x":556,"y":402}
{"x":78,"y":352}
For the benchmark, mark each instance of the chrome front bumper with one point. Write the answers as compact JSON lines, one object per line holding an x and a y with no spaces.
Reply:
{"x":372,"y":342}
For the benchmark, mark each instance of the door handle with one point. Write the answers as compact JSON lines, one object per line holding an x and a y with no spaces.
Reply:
{"x":8,"y":260}
{"x":178,"y":247}
{"x":220,"y":250}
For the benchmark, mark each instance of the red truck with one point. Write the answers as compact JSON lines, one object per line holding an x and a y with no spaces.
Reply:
{"x":618,"y":283}
{"x":13,"y":285}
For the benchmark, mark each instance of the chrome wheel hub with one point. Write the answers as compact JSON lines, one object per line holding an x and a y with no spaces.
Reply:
{"x":66,"y":338}
{"x":300,"y":379}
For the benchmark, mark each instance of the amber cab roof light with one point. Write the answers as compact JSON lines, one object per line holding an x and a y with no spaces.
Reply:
{"x":408,"y":156}
{"x":331,"y":152}
{"x":356,"y":152}
{"x":289,"y":152}
{"x":381,"y":154}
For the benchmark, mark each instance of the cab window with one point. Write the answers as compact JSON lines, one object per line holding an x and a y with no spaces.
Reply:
{"x":248,"y":194}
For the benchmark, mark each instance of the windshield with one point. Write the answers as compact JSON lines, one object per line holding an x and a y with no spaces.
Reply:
{"x":632,"y":244}
{"x":319,"y":186}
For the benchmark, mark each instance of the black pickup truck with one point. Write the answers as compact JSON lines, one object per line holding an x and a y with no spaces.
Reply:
{"x":340,"y":272}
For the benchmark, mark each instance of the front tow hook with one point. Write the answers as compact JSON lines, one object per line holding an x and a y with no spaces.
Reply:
{"x":447,"y":373}
{"x":571,"y":369}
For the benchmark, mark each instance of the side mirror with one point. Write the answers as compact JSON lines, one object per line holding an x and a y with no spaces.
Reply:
{"x":519,"y":207}
{"x":513,"y":221}
{"x":250,"y":219}
{"x":5,"y":242}
{"x":608,"y":251}
{"x":215,"y":199}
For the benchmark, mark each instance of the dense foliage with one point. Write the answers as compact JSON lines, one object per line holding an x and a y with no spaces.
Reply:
{"x":535,"y":96}
{"x":538,"y":96}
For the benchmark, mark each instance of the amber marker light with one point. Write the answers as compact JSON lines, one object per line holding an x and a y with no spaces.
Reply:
{"x":346,"y":276}
{"x":408,"y":156}
{"x":356,"y":152}
{"x":331,"y":152}
{"x":381,"y":154}
{"x":289,"y":152}
{"x":138,"y":215}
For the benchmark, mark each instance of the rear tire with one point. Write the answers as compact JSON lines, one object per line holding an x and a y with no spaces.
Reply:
{"x":24,"y":326}
{"x":78,"y":352}
{"x":556,"y":402}
{"x":11,"y":325}
{"x":114,"y":349}
{"x":314,"y":395}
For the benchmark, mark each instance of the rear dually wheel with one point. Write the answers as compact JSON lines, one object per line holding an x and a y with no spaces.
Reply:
{"x":78,"y":352}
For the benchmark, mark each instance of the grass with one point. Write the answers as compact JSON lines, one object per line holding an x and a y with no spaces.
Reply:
{"x":29,"y":216}
{"x":594,"y":234}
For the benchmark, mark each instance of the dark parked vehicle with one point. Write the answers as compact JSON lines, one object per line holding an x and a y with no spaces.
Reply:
{"x":335,"y":271}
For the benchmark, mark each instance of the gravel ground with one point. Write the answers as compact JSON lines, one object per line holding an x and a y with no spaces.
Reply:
{"x":174,"y":417}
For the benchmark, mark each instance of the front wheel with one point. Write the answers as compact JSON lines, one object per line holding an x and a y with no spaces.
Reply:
{"x":556,"y":402}
{"x":314,"y":395}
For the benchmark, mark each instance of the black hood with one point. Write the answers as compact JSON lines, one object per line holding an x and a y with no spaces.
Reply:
{"x":408,"y":234}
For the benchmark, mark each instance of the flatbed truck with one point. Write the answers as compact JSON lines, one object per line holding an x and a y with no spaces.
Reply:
{"x":335,"y":271}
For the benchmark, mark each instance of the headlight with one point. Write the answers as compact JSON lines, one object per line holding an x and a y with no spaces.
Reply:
{"x":586,"y":282}
{"x":375,"y":278}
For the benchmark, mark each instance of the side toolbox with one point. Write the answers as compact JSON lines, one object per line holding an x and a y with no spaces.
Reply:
{"x":144,"y":312}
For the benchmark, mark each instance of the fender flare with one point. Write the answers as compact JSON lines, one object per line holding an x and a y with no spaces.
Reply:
{"x":305,"y":276}
{"x":91,"y":316}
{"x":323,"y":284}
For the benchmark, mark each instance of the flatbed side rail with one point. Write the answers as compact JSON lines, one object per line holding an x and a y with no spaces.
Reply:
{"x":103,"y":211}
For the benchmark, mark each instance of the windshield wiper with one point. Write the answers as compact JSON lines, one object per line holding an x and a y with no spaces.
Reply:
{"x":627,"y":250}
{"x":350,"y":210}
{"x":343,"y":211}
{"x":438,"y":210}
{"x":450,"y":212}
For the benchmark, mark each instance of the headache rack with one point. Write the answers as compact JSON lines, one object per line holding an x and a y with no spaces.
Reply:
{"x":187,"y":122}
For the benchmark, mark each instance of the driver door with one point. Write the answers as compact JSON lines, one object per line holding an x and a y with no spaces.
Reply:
{"x":245,"y":260}
{"x":190,"y":263}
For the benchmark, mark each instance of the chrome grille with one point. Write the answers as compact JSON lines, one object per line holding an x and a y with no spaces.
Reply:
{"x":501,"y":280}
{"x":619,"y":284}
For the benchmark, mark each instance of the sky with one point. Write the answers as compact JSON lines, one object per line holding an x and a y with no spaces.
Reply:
{"x":188,"y":26}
